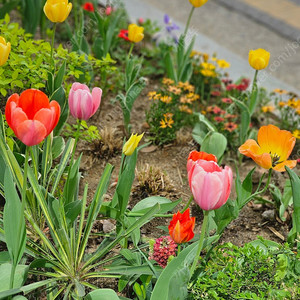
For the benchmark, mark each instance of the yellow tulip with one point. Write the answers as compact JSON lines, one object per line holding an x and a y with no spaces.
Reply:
{"x":131,"y":144}
{"x":4,"y":50}
{"x":57,"y":10}
{"x":259,"y":59}
{"x":198,"y":3}
{"x":135,"y":33}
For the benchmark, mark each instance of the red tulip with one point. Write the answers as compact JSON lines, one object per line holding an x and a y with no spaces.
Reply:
{"x":181,"y":227}
{"x":209,"y":183}
{"x":31,"y":116}
{"x":88,"y":6}
{"x":124,"y":34}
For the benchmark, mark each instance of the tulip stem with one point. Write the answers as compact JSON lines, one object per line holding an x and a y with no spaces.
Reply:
{"x":178,"y":249}
{"x":253,"y":96}
{"x":76,"y":139}
{"x":52,"y":47}
{"x":24,"y":188}
{"x":130,"y":51}
{"x":188,"y":21}
{"x":200,"y":245}
{"x":187,"y":205}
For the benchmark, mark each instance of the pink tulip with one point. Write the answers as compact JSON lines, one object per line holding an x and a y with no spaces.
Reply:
{"x":108,"y":10}
{"x":209,"y":183}
{"x":83,"y":104}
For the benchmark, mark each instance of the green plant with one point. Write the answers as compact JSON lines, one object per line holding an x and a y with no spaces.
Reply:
{"x":171,"y":109}
{"x":28,"y":64}
{"x":259,"y":270}
{"x":87,"y":133}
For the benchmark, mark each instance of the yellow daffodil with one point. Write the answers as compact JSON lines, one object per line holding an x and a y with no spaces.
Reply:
{"x":135,"y":33}
{"x":131,"y":144}
{"x":272,"y":150}
{"x":57,"y":10}
{"x":198,"y":3}
{"x":4,"y":51}
{"x":259,"y":59}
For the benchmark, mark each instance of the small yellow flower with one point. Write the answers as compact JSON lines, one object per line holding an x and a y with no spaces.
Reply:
{"x":131,"y":144}
{"x":195,"y":53}
{"x":280,"y":92}
{"x":267,"y":108}
{"x":222,"y":63}
{"x":157,"y":97}
{"x":167,"y":121}
{"x":151,"y":95}
{"x":166,"y":99}
{"x":208,"y":73}
{"x":198,"y":3}
{"x":205,"y":56}
{"x":208,"y":66}
{"x":259,"y":59}
{"x":4,"y":50}
{"x":135,"y":33}
{"x":292,"y":103}
{"x":282,"y":104}
{"x":296,"y":133}
{"x":57,"y":10}
{"x":167,"y":81}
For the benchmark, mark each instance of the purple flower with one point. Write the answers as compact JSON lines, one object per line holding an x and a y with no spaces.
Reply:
{"x":170,"y":26}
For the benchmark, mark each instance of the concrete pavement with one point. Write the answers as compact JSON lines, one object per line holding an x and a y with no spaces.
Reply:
{"x":231,"y":34}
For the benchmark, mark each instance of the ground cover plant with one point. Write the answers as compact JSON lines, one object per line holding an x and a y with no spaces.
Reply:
{"x":84,"y":212}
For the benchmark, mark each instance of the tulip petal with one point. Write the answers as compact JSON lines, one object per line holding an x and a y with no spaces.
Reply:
{"x":96,"y":96}
{"x":48,"y":117}
{"x":31,"y":101}
{"x":289,"y":163}
{"x":11,"y":104}
{"x":18,"y":116}
{"x":31,"y":132}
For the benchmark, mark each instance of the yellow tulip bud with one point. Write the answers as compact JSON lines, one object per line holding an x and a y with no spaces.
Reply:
{"x":135,"y":33}
{"x":57,"y":10}
{"x":259,"y":59}
{"x":198,"y":3}
{"x":131,"y":144}
{"x":4,"y":51}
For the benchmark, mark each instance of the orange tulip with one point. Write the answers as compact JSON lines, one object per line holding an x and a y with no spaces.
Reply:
{"x":181,"y":227}
{"x":273,"y":148}
{"x":31,"y":116}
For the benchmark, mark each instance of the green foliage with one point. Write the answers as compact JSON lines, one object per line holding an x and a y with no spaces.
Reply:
{"x":171,"y":109}
{"x":29,"y":62}
{"x":87,"y":133}
{"x":255,"y":271}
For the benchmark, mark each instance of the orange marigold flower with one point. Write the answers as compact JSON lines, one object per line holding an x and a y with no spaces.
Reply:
{"x":175,"y":90}
{"x":272,"y":150}
{"x":167,"y":81}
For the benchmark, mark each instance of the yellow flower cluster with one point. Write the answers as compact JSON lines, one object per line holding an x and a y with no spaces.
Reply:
{"x":189,"y":98}
{"x":296,"y":133}
{"x":267,"y":108}
{"x":185,"y":108}
{"x":167,"y":121}
{"x":154,"y":96}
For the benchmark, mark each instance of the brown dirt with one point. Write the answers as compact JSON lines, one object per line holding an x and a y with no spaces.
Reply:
{"x":171,"y":160}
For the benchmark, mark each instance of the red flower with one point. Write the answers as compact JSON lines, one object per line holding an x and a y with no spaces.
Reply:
{"x":230,"y":87}
{"x":124,"y":34}
{"x":216,"y":93}
{"x":88,"y":6}
{"x":31,"y":116}
{"x":230,"y":126}
{"x":227,"y":100}
{"x":218,"y":119}
{"x":181,"y":227}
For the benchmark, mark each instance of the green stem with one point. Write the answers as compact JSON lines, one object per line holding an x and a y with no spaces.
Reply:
{"x":254,"y":82}
{"x":189,"y":21}
{"x":52,"y":47}
{"x":253,"y":95}
{"x":130,"y":50}
{"x":76,"y":140}
{"x":200,"y":245}
{"x":187,"y":205}
{"x":76,"y":14}
{"x":263,"y":190}
{"x":178,"y":249}
{"x":24,"y":187}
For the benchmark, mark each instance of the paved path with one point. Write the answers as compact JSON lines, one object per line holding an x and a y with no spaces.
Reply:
{"x":231,"y":34}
